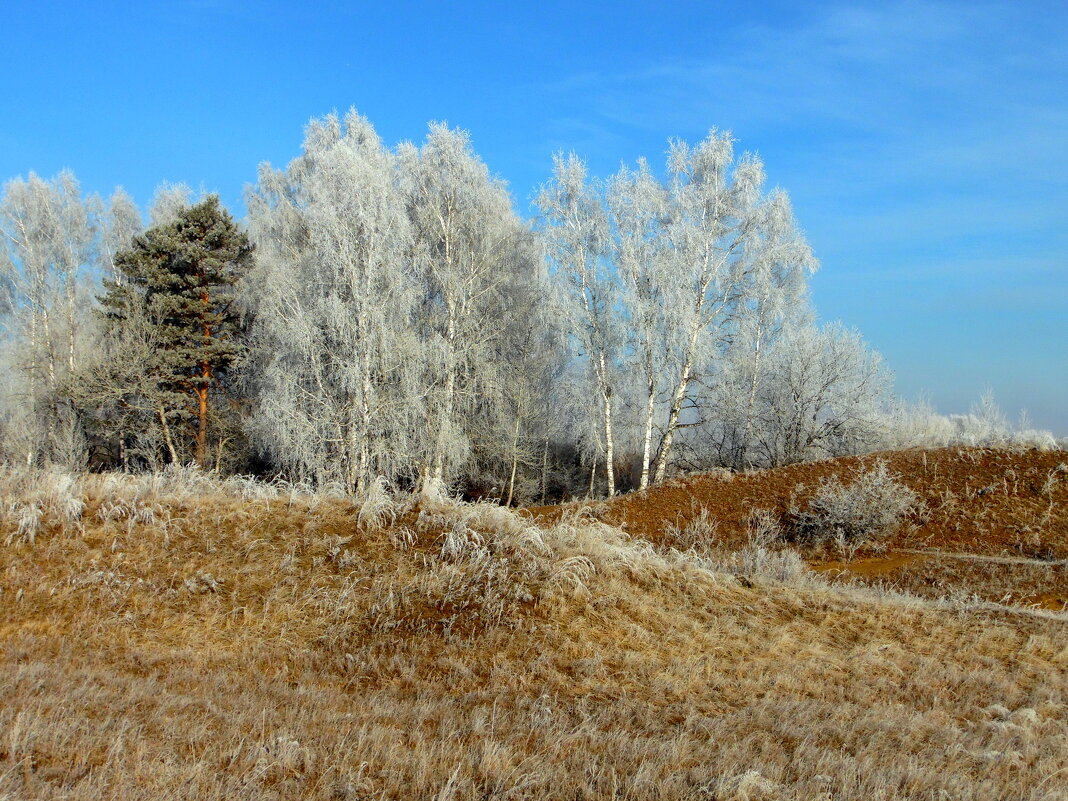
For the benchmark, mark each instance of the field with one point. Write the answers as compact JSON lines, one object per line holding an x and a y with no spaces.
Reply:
{"x":176,"y":637}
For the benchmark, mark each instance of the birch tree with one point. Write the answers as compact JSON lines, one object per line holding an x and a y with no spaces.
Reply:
{"x":638,"y":206}
{"x":47,"y":251}
{"x":780,"y":261}
{"x":467,"y":252}
{"x":824,"y":395}
{"x":577,"y":238}
{"x":168,"y":201}
{"x":533,"y":357}
{"x":117,"y":222}
{"x":714,"y":215}
{"x":336,"y":363}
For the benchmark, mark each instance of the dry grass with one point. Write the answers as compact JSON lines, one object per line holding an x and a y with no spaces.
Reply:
{"x":937,"y":576}
{"x":179,"y":638}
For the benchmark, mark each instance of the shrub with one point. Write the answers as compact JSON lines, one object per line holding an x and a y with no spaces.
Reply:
{"x":872,"y":505}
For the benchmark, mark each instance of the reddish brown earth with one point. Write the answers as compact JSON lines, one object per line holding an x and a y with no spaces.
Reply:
{"x":1011,"y":505}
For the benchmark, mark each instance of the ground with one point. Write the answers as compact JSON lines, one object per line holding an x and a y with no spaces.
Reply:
{"x":177,"y":637}
{"x":995,"y":522}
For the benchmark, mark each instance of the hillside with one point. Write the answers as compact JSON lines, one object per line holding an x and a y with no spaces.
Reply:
{"x":995,"y":522}
{"x":173,"y":637}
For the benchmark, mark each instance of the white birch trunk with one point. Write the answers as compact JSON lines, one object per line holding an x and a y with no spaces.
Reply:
{"x":650,"y":410}
{"x":680,"y":391}
{"x":515,"y":459}
{"x":610,"y":448}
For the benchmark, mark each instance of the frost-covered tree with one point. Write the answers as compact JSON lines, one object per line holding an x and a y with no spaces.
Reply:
{"x":336,"y":363}
{"x":578,"y":241}
{"x":824,"y":394}
{"x":124,"y":407}
{"x":168,"y":201}
{"x":776,"y":296}
{"x":46,"y":254}
{"x":682,"y":284}
{"x":638,"y":207}
{"x":469,"y":256}
{"x":533,"y":355}
{"x":117,"y":222}
{"x":714,"y":220}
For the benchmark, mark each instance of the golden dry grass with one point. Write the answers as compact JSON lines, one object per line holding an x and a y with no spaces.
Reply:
{"x":176,"y":638}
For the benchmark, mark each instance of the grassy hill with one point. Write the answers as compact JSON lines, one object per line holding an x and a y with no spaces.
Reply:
{"x":175,"y":637}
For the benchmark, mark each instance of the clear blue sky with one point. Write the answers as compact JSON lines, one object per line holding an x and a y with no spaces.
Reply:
{"x":925,"y":145}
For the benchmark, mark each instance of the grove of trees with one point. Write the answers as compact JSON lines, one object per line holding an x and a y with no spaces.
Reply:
{"x":387,"y":315}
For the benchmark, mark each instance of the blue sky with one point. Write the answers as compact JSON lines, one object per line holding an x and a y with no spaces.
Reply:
{"x":925,"y":145}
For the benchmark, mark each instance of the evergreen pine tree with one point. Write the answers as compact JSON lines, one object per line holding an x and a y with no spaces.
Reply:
{"x":178,"y":280}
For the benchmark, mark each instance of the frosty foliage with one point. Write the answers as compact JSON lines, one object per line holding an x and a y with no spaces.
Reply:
{"x":682,"y":285}
{"x":387,"y":287}
{"x":823,"y":396}
{"x":377,"y":508}
{"x":576,"y":234}
{"x":335,"y":364}
{"x":29,"y":499}
{"x":54,"y":243}
{"x":874,"y":504}
{"x":918,"y":425}
{"x":407,"y":329}
{"x":481,"y":315}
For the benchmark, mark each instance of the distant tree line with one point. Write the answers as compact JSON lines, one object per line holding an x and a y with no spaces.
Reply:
{"x":386,"y":314}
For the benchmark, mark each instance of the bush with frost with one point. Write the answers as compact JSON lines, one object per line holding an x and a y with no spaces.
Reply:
{"x":872,"y":505}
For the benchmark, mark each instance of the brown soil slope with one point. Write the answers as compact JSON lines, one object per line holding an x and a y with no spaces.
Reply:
{"x":1012,"y":505}
{"x":979,"y":501}
{"x":164,"y":643}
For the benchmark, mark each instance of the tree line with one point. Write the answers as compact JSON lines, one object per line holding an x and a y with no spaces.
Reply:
{"x":386,"y":314}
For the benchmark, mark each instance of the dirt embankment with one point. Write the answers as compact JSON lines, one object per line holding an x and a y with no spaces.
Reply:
{"x":979,"y":502}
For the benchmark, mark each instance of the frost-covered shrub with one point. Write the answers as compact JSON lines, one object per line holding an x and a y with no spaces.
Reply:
{"x":763,"y":528}
{"x":31,"y":498}
{"x":872,"y":505}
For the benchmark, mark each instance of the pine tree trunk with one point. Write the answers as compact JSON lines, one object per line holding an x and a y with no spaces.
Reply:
{"x":202,"y":419}
{"x":202,"y":393}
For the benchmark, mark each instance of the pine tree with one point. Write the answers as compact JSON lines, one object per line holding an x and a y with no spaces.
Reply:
{"x":178,"y":280}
